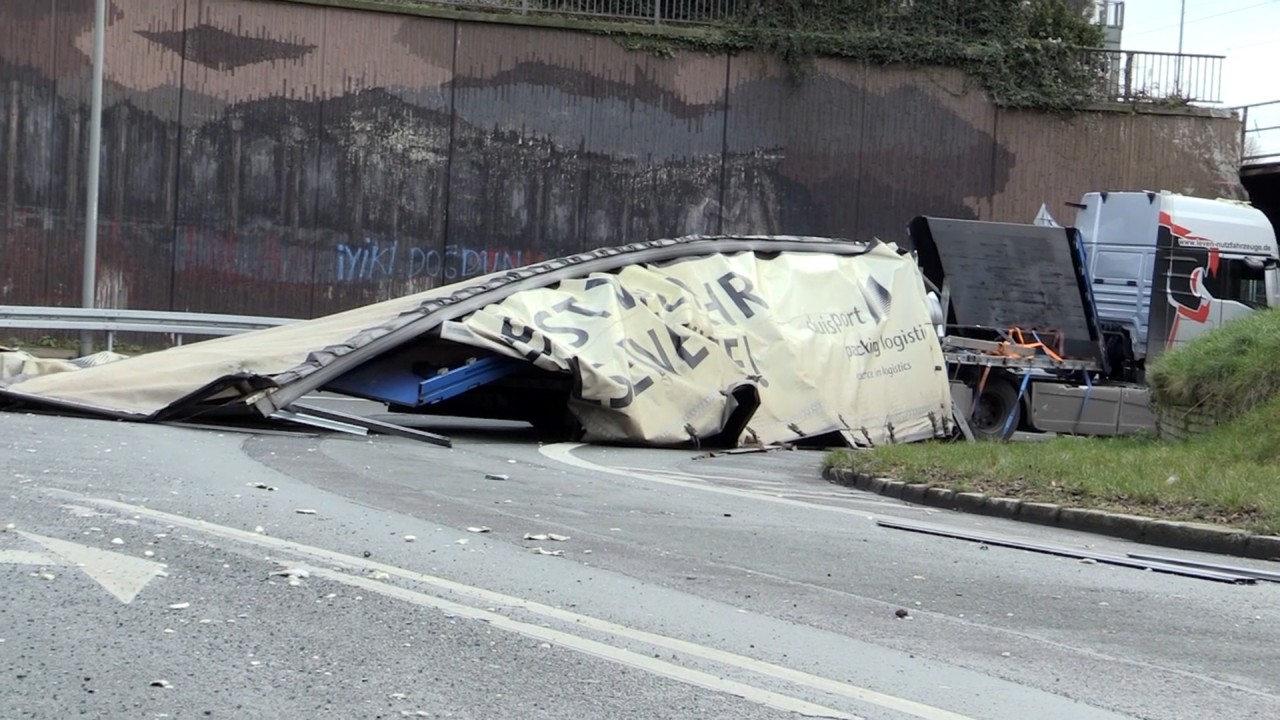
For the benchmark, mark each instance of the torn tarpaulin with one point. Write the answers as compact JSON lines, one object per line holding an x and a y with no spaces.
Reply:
{"x":659,"y":343}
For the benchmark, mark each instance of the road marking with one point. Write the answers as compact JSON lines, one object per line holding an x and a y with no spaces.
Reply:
{"x":768,"y":488}
{"x":121,"y":575}
{"x":490,"y":597}
{"x":563,"y":453}
{"x":24,"y":557}
{"x":622,"y":656}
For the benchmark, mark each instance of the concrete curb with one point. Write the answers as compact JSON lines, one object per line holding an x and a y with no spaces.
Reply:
{"x":1165,"y":533}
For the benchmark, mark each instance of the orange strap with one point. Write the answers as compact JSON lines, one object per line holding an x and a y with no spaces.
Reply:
{"x":1018,"y":339}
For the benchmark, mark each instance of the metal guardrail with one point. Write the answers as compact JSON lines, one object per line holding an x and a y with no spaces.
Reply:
{"x":112,"y":321}
{"x":1154,"y":77}
{"x":656,"y":12}
{"x":1261,"y":143}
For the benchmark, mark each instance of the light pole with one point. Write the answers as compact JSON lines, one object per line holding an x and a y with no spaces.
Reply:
{"x":89,"y":281}
{"x":1182,"y":23}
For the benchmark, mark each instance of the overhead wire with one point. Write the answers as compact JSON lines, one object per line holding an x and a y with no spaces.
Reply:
{"x":1204,"y":17}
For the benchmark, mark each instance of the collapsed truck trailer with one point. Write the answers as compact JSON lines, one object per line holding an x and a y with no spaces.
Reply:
{"x":1050,"y":328}
{"x":691,"y":341}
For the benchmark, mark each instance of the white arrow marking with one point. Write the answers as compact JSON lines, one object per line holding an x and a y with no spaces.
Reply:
{"x":121,"y":575}
{"x":23,"y":557}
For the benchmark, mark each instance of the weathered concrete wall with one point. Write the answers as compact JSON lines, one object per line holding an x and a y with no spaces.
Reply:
{"x":284,"y":159}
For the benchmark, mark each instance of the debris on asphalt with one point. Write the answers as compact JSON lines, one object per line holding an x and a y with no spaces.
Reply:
{"x":117,"y":541}
{"x":261,"y":486}
{"x":902,"y":614}
{"x":1005,"y":654}
{"x":480,"y":529}
{"x":305,"y":511}
{"x":293,"y":572}
{"x":260,"y":530}
{"x":546,"y":536}
{"x":397,"y":696}
{"x":161,"y":684}
{"x":1088,"y":561}
{"x":366,"y":553}
{"x":47,"y":576}
{"x":9,"y":527}
{"x":380,"y":575}
{"x":410,"y":538}
{"x":543,"y":551}
{"x":149,"y":553}
{"x":496,"y":476}
{"x":180,"y":606}
{"x":462,"y":541}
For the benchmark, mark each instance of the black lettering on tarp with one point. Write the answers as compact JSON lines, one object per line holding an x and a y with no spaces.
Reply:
{"x":693,"y":360}
{"x":658,"y":358}
{"x":580,"y":336}
{"x":624,"y":297}
{"x":741,"y":295}
{"x":714,"y":305}
{"x":748,"y":365}
{"x":634,"y":389}
{"x":524,"y":337}
{"x":656,"y":354}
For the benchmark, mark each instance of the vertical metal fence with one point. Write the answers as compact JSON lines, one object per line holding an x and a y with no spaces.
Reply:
{"x":1138,"y":76}
{"x":657,"y":12}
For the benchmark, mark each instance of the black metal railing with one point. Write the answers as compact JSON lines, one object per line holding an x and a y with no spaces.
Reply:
{"x":656,"y":12}
{"x":1260,"y":133}
{"x":1158,"y":77}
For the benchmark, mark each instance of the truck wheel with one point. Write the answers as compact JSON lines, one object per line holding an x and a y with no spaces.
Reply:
{"x":999,"y":400}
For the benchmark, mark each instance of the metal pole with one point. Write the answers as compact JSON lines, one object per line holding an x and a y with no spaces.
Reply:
{"x":1182,"y":23}
{"x":89,"y":281}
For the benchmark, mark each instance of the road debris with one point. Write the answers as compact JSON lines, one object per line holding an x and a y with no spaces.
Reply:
{"x":161,"y":684}
{"x":546,"y":536}
{"x":180,"y":606}
{"x":410,"y":538}
{"x":902,"y":614}
{"x":380,"y":575}
{"x":496,"y":476}
{"x":305,"y":511}
{"x":47,"y":576}
{"x":462,"y":541}
{"x":260,"y":530}
{"x":480,"y":529}
{"x":543,"y":551}
{"x":262,"y":486}
{"x":293,"y":572}
{"x":117,"y":541}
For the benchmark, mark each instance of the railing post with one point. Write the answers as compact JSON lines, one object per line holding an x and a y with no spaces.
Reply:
{"x":1128,"y":75}
{"x":657,"y":12}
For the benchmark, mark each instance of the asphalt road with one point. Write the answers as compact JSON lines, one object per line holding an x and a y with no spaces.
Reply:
{"x":739,"y":586}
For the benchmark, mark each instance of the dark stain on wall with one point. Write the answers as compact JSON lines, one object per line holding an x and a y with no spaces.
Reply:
{"x":281,"y":159}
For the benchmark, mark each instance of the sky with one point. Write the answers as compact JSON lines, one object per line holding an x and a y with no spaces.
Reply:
{"x":1247,"y":32}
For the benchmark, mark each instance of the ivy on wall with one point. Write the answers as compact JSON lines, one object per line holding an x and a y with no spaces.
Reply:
{"x":1025,"y":53}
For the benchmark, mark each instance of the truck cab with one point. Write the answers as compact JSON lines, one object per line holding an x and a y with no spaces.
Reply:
{"x":1167,"y":268}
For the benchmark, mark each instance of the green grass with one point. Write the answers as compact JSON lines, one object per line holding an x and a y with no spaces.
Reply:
{"x":1231,"y":476}
{"x":1227,"y":372}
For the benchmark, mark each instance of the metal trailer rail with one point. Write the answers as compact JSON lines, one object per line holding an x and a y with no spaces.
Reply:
{"x":1013,"y":362}
{"x":112,"y":321}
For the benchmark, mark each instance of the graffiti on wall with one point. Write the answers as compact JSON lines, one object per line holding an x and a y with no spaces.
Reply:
{"x":374,"y":260}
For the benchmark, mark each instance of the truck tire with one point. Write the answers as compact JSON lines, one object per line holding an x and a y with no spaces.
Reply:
{"x":993,"y":408}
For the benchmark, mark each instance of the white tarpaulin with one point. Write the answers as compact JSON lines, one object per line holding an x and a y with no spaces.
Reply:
{"x":662,"y":342}
{"x":831,"y":342}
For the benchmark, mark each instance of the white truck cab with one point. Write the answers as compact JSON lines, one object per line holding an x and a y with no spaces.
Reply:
{"x":1166,"y":268}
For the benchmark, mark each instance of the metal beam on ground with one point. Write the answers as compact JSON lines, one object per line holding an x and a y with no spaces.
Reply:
{"x":368,"y":424}
{"x":1120,"y":560}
